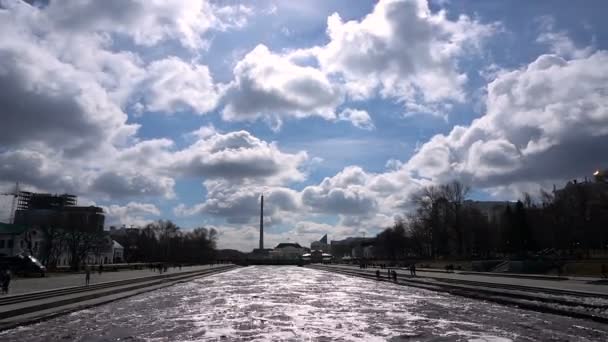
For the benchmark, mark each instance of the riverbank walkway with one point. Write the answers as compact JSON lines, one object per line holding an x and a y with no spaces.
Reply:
{"x":63,"y":279}
{"x":579,"y":284}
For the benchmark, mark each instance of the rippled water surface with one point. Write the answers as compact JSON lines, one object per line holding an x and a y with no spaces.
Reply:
{"x":266,"y":303}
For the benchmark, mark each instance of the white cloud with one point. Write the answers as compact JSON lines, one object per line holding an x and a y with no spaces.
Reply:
{"x":272,"y":87}
{"x":148,"y":22}
{"x":545,"y":121}
{"x":240,"y":157}
{"x":359,"y":118}
{"x":403,"y":50}
{"x":133,"y":213}
{"x":558,"y":40}
{"x":172,"y":85}
{"x":240,"y":204}
{"x":204,"y":132}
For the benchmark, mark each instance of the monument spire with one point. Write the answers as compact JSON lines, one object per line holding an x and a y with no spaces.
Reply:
{"x":262,"y":224}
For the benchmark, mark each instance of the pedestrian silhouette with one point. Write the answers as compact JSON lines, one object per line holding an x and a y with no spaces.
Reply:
{"x":378,"y":274}
{"x":87,"y":275}
{"x":394,"y":276}
{"x":6,"y":280}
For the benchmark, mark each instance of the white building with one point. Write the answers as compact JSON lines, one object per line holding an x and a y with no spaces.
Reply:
{"x":17,"y":239}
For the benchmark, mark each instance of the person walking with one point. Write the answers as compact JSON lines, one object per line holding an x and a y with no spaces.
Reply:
{"x":377,"y":274}
{"x":1,"y":279}
{"x":87,"y":275}
{"x":2,"y":275}
{"x":394,"y":276}
{"x":414,"y":270}
{"x":100,"y":268}
{"x":6,"y":281}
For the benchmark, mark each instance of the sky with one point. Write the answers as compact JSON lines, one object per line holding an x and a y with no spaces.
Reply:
{"x":337,"y":111}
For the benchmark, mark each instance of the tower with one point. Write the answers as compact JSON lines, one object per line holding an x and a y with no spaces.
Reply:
{"x":262,"y":224}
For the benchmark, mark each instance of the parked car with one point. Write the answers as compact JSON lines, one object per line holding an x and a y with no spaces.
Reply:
{"x":23,"y":264}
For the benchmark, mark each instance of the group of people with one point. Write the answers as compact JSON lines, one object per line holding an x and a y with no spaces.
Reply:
{"x":87,"y":272}
{"x":391,"y":274}
{"x":5,"y":280}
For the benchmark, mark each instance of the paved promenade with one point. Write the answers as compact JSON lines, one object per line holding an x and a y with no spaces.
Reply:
{"x":61,"y":280}
{"x":572,"y":284}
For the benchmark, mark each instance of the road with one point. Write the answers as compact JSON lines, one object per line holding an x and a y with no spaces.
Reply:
{"x":262,"y":303}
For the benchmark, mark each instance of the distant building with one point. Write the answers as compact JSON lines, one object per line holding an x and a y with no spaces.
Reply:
{"x":351,"y":247}
{"x":17,"y":239}
{"x":36,"y":210}
{"x":289,"y":251}
{"x":316,"y":256}
{"x":320,"y":245}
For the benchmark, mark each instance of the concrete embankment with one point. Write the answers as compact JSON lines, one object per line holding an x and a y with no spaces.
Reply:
{"x":32,"y":307}
{"x":579,"y":304}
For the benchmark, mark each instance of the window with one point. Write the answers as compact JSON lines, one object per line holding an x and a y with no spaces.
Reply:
{"x":10,"y":243}
{"x":1,"y":243}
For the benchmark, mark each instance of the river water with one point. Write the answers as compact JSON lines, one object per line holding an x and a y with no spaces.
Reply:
{"x":285,"y":303}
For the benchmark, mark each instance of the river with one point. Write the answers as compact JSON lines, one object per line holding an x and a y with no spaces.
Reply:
{"x":288,"y":303}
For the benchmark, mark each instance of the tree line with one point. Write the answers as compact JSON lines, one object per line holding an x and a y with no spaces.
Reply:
{"x":160,"y":241}
{"x":164,"y":241}
{"x":444,"y":224}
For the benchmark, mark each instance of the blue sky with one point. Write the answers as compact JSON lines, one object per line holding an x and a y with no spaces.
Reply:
{"x":338,"y":111}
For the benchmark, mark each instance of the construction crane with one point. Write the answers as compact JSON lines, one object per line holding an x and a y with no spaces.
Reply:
{"x":15,"y":195}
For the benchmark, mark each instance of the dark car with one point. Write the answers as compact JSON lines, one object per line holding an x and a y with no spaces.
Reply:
{"x":22,"y":264}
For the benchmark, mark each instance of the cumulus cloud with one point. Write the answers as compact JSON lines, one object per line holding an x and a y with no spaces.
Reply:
{"x":344,"y":193}
{"x":65,"y":85}
{"x":559,"y":41}
{"x":133,"y":213}
{"x":238,"y":204}
{"x":401,"y":49}
{"x":172,"y":85}
{"x":272,"y":87}
{"x":47,"y":100}
{"x":545,"y":121}
{"x":204,"y":132}
{"x":36,"y":169}
{"x":240,"y":157}
{"x":148,"y":22}
{"x":359,"y":118}
{"x":132,"y":184}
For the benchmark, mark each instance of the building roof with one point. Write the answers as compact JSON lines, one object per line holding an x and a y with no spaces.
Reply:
{"x":7,"y":228}
{"x":288,"y":244}
{"x":116,"y":245}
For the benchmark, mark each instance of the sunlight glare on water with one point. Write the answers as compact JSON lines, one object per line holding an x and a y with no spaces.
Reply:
{"x":285,"y":303}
